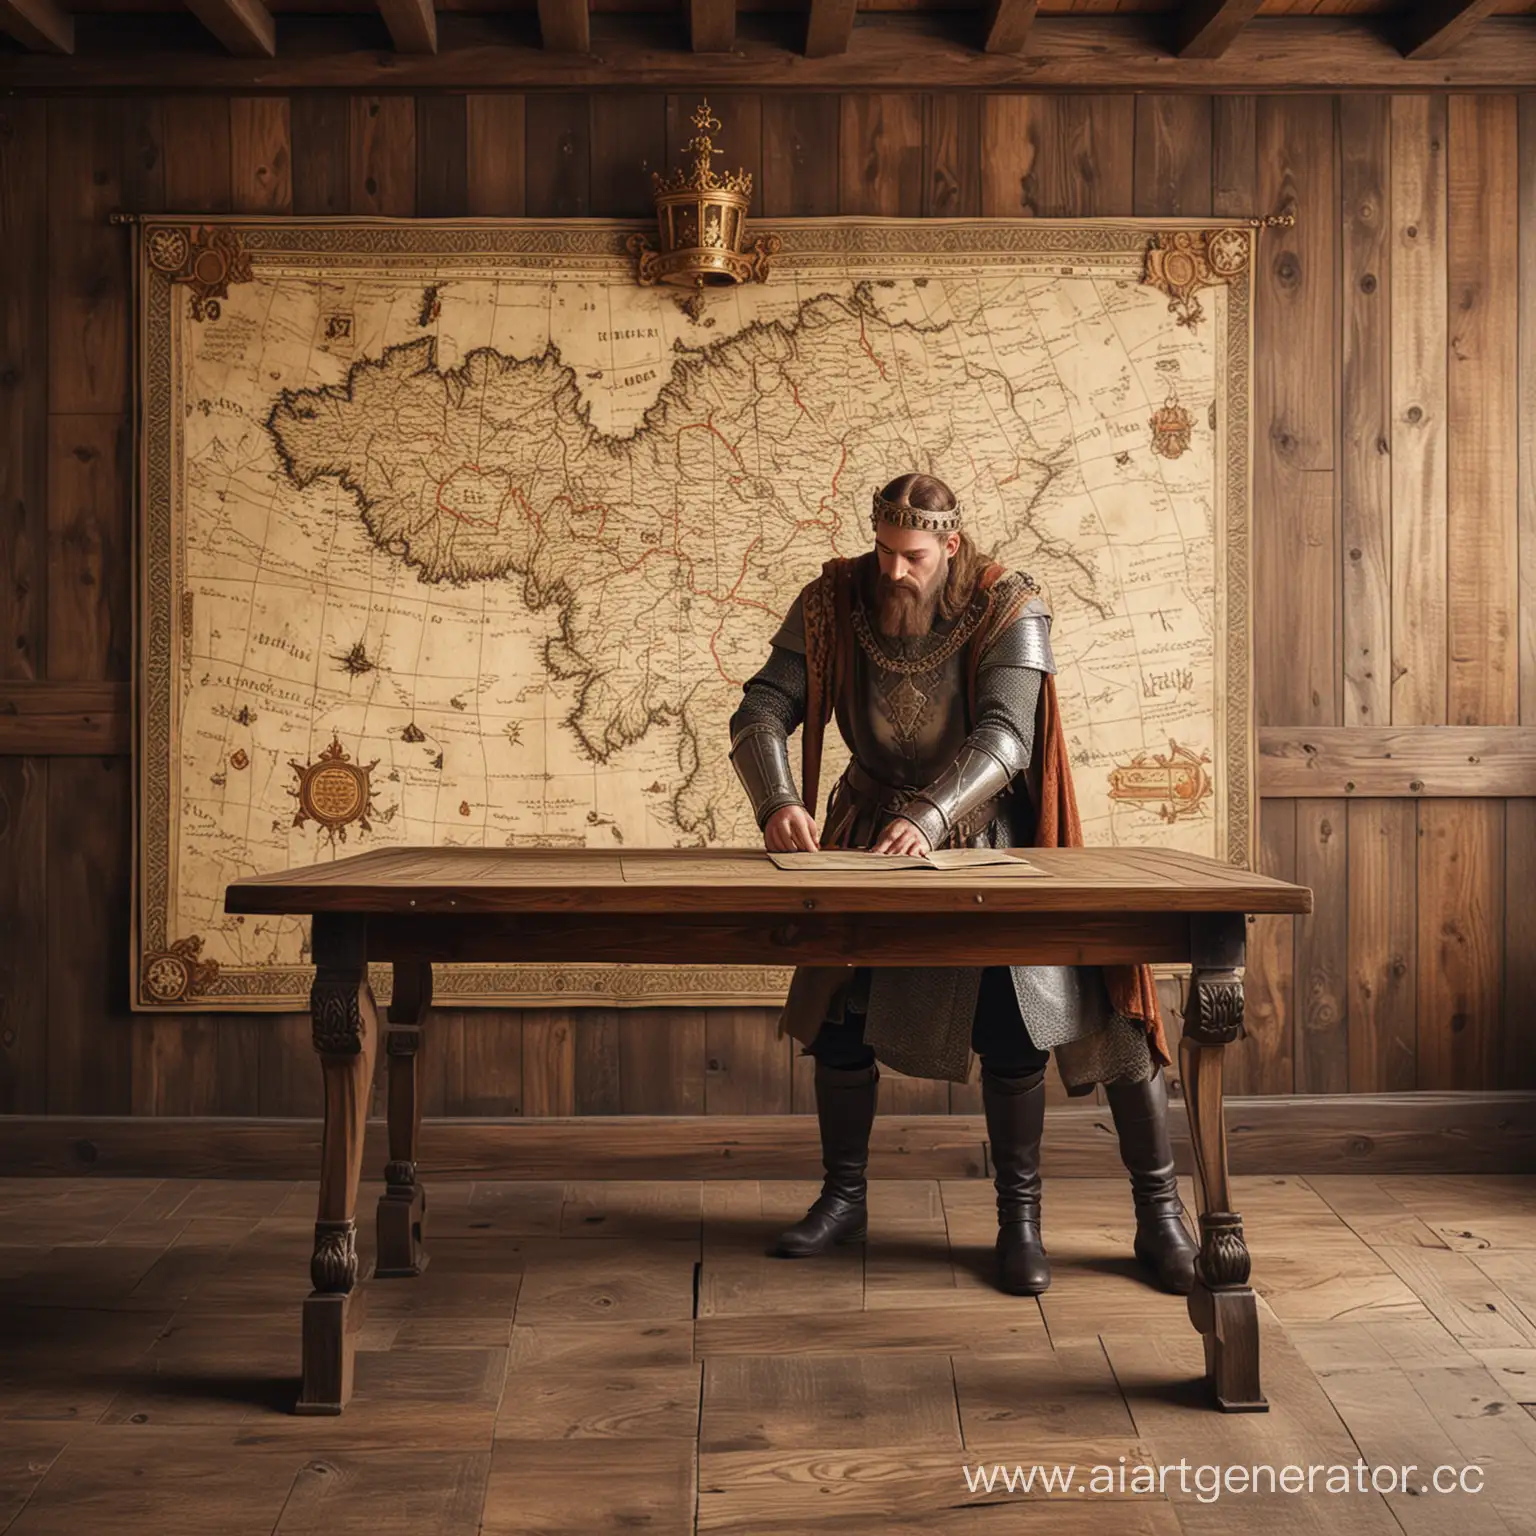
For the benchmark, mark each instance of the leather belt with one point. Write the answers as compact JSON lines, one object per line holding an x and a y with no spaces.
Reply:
{"x":890,"y":799}
{"x":874,"y":793}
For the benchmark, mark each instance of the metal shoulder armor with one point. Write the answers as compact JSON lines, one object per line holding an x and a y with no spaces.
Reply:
{"x":1025,"y":643}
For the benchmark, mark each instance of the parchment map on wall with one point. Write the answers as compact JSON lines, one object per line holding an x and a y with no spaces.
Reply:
{"x":453,"y":534}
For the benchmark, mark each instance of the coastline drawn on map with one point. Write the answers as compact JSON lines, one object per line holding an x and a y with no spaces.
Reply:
{"x":455,"y":535}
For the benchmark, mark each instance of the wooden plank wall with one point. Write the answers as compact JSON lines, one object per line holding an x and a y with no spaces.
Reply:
{"x":1395,"y":537}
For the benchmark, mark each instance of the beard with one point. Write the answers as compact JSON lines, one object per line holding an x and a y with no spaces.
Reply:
{"x":903,"y":609}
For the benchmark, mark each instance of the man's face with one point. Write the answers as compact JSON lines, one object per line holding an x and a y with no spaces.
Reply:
{"x":913,"y":568}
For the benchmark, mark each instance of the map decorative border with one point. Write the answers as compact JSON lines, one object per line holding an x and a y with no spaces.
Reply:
{"x":167,"y":970}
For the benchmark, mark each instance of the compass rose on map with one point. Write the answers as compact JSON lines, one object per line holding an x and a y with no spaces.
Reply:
{"x":335,"y":792}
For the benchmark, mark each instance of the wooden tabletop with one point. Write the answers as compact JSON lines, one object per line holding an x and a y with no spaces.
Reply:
{"x":464,"y":880}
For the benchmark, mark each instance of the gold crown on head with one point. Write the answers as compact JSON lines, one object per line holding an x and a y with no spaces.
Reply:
{"x":947,"y":521}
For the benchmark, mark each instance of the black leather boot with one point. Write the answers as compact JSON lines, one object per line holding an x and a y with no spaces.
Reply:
{"x":845,"y":1112}
{"x":1163,"y":1243}
{"x":1015,"y":1109}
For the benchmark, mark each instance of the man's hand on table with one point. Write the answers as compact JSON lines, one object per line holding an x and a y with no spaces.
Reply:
{"x":901,"y":836}
{"x":790,"y":830}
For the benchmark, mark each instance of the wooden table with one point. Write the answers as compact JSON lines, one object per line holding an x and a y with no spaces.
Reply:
{"x":416,"y":906}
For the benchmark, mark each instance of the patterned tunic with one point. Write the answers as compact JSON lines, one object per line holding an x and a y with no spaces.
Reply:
{"x":906,"y":708}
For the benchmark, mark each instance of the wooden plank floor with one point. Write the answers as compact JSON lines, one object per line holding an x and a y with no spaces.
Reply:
{"x":607,"y":1357}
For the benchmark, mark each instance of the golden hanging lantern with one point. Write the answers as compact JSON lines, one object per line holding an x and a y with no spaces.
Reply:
{"x":701,"y":217}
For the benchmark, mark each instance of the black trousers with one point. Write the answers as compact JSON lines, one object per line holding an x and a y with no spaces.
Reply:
{"x":998,"y":1034}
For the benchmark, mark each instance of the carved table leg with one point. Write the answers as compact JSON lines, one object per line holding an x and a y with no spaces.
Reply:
{"x":346,"y":1032}
{"x":403,"y":1205}
{"x":1222,"y":1305}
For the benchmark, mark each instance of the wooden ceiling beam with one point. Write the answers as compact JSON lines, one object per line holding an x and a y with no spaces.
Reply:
{"x":1008,"y":24}
{"x":1207,"y":28}
{"x":1434,"y":29}
{"x":245,"y":27}
{"x":39,"y":25}
{"x":412,"y":24}
{"x":712,"y":25}
{"x":829,"y":29}
{"x":1066,"y":53}
{"x":565,"y":26}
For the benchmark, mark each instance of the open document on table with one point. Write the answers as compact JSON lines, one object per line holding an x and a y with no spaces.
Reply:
{"x":850,"y":860}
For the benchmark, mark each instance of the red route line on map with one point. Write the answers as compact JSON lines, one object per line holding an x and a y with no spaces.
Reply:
{"x":821,"y":506}
{"x":709,"y":426}
{"x":870,"y":351}
{"x":536,"y":518}
{"x":494,"y":521}
{"x":719,"y":665}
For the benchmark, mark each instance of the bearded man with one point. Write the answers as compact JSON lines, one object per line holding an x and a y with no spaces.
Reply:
{"x":936,"y":664}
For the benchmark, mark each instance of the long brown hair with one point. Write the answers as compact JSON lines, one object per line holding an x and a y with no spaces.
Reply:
{"x":927,"y":493}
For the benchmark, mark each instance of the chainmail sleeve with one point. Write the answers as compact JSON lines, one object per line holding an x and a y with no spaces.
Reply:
{"x":1006,"y":700}
{"x":999,"y":747}
{"x":772,"y":707}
